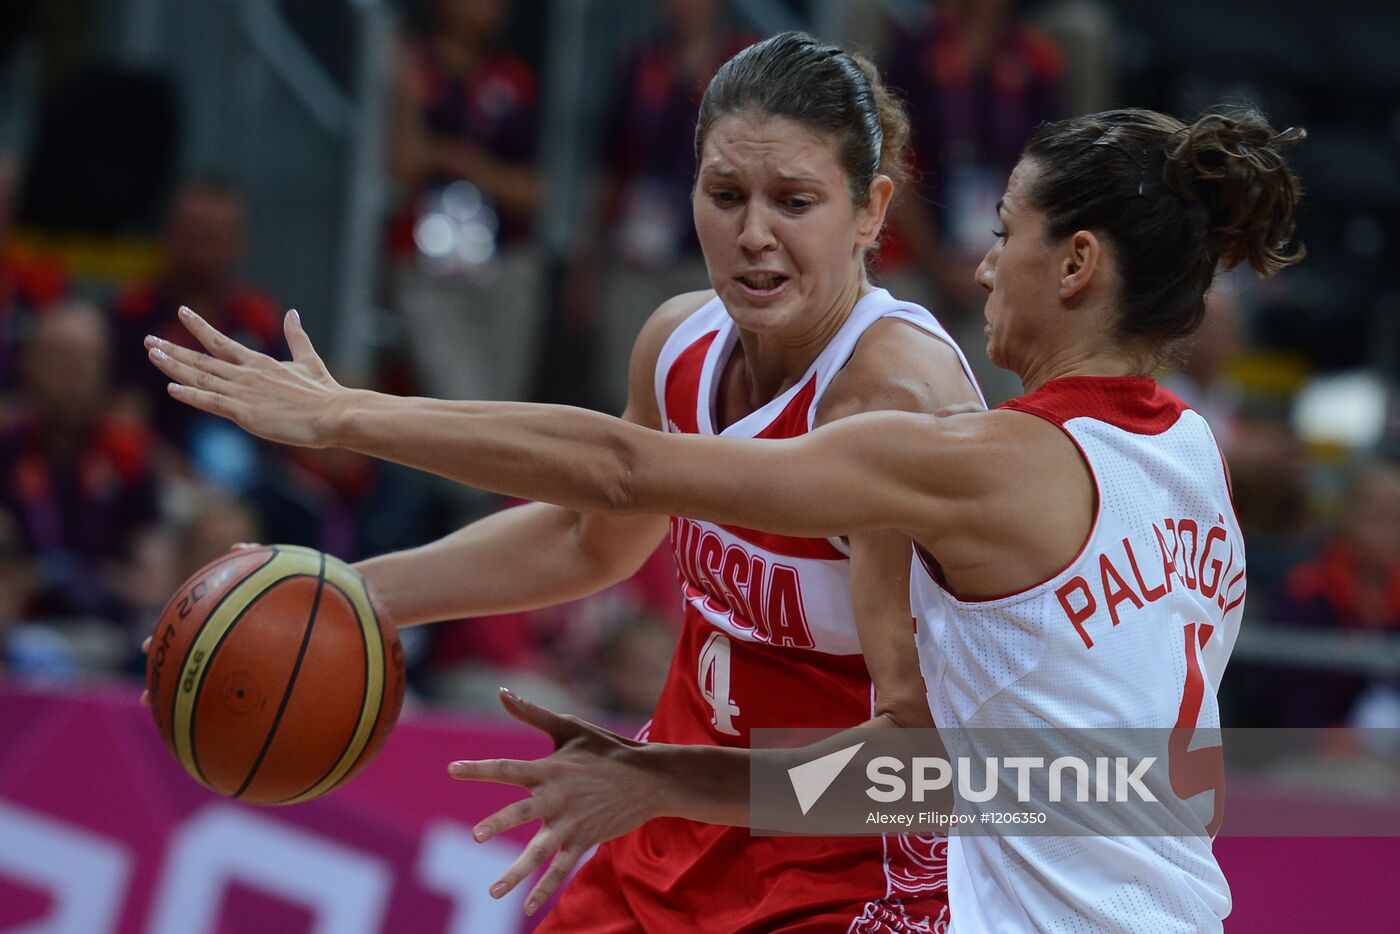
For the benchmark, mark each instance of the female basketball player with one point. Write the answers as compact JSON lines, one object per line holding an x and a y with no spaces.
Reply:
{"x":1079,"y":564}
{"x":795,"y":144}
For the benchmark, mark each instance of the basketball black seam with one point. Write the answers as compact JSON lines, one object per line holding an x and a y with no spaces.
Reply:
{"x":209,"y":663}
{"x":291,"y":682}
{"x":384,"y":693}
{"x":175,"y":696}
{"x":364,"y":689}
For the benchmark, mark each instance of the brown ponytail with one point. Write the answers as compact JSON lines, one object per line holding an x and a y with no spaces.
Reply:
{"x":1176,"y":202}
{"x":1231,"y":162}
{"x":894,"y":125}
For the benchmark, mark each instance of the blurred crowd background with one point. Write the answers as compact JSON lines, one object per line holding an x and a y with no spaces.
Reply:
{"x":485,"y":199}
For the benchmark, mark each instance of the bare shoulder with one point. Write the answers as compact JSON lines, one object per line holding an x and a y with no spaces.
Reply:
{"x":897,"y":366}
{"x":666,"y":318}
{"x":646,"y":351}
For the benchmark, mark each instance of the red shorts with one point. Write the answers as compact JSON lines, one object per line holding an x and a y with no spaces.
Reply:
{"x":677,"y":875}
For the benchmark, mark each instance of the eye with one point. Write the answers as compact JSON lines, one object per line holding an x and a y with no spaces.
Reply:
{"x":724,"y":197}
{"x":798,"y":205}
{"x":999,"y":234}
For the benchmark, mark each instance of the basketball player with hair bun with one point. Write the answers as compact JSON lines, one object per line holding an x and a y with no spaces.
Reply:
{"x":799,"y":149}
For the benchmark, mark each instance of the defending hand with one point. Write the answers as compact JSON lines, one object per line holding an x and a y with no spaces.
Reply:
{"x":288,"y":402}
{"x":589,"y":790}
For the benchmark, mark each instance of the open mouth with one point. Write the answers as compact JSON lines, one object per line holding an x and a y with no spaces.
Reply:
{"x":763,"y":283}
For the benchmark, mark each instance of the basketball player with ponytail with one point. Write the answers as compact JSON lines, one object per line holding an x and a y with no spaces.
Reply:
{"x":799,"y":149}
{"x":1110,"y":232}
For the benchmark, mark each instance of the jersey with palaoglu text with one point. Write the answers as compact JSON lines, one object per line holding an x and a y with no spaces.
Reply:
{"x":1133,"y":634}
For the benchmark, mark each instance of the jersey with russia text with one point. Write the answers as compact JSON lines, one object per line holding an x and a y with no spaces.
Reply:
{"x":769,"y":640}
{"x":1134,"y":634}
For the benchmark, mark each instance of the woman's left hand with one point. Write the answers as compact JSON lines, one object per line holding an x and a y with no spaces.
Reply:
{"x":286,"y":401}
{"x":589,"y":790}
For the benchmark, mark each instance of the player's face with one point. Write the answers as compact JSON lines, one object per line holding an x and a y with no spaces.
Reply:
{"x":783,"y":241}
{"x":1020,"y":277}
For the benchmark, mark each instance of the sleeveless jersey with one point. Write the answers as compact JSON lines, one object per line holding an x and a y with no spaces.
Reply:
{"x":769,"y":640}
{"x":1134,"y":633}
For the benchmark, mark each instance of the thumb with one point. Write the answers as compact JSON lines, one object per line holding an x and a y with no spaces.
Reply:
{"x":300,"y":344}
{"x":538,"y":717}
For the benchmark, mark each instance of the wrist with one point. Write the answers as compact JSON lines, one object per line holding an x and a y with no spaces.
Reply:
{"x":658,"y":764}
{"x":704,"y":783}
{"x":334,"y":424}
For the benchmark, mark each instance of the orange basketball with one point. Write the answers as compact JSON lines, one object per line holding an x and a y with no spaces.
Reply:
{"x":272,"y":677}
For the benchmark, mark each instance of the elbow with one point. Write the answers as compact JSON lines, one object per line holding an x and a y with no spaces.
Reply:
{"x":911,"y":713}
{"x":617,"y":489}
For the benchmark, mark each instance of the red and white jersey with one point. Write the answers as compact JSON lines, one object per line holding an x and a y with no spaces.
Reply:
{"x":1134,"y":633}
{"x":756,"y":587}
{"x":769,"y":640}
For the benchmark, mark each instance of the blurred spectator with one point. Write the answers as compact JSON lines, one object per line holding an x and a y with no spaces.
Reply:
{"x":17,"y":578}
{"x":1269,"y":479}
{"x":1200,"y":379}
{"x":467,"y":111}
{"x":27,"y":281}
{"x":634,"y":658}
{"x":1352,"y":586}
{"x":218,"y":523}
{"x":164,"y":556}
{"x":647,"y":250}
{"x":342,"y":503}
{"x":977,"y":81}
{"x":204,"y":241}
{"x":75,"y":479}
{"x":466,"y":277}
{"x":562,"y":647}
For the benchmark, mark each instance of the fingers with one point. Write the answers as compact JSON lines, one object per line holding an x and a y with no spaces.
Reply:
{"x":507,"y":818}
{"x":530,"y":859}
{"x":145,"y":698}
{"x":200,"y":361}
{"x":202,"y":399}
{"x":299,"y":342}
{"x":209,"y":337}
{"x":190,"y":371}
{"x":503,"y":771}
{"x":244,"y":546}
{"x":556,"y":875}
{"x":559,"y":728}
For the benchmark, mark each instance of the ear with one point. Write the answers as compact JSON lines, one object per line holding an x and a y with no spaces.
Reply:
{"x":871,"y":218}
{"x":1080,"y":264}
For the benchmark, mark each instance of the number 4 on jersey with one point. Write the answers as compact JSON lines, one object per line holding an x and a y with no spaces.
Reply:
{"x":713,"y":676}
{"x":1193,"y":771}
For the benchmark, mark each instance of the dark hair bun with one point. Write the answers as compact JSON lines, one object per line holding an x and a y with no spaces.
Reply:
{"x":1231,"y":162}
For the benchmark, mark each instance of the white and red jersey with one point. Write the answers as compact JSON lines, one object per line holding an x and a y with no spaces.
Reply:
{"x":769,"y":640}
{"x":1134,"y":633}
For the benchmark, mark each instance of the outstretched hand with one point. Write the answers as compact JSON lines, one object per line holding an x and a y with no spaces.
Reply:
{"x":284,"y":401}
{"x":589,"y":790}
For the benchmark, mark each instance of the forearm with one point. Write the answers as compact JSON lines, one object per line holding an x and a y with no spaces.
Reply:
{"x":556,"y":454}
{"x":817,"y":485}
{"x":518,"y":559}
{"x":710,"y":784}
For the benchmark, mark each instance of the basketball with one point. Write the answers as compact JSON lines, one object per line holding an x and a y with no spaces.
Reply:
{"x":272,"y":676}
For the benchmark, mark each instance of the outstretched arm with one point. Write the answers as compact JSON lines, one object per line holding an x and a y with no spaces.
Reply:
{"x":878,"y":470}
{"x":597,"y":786}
